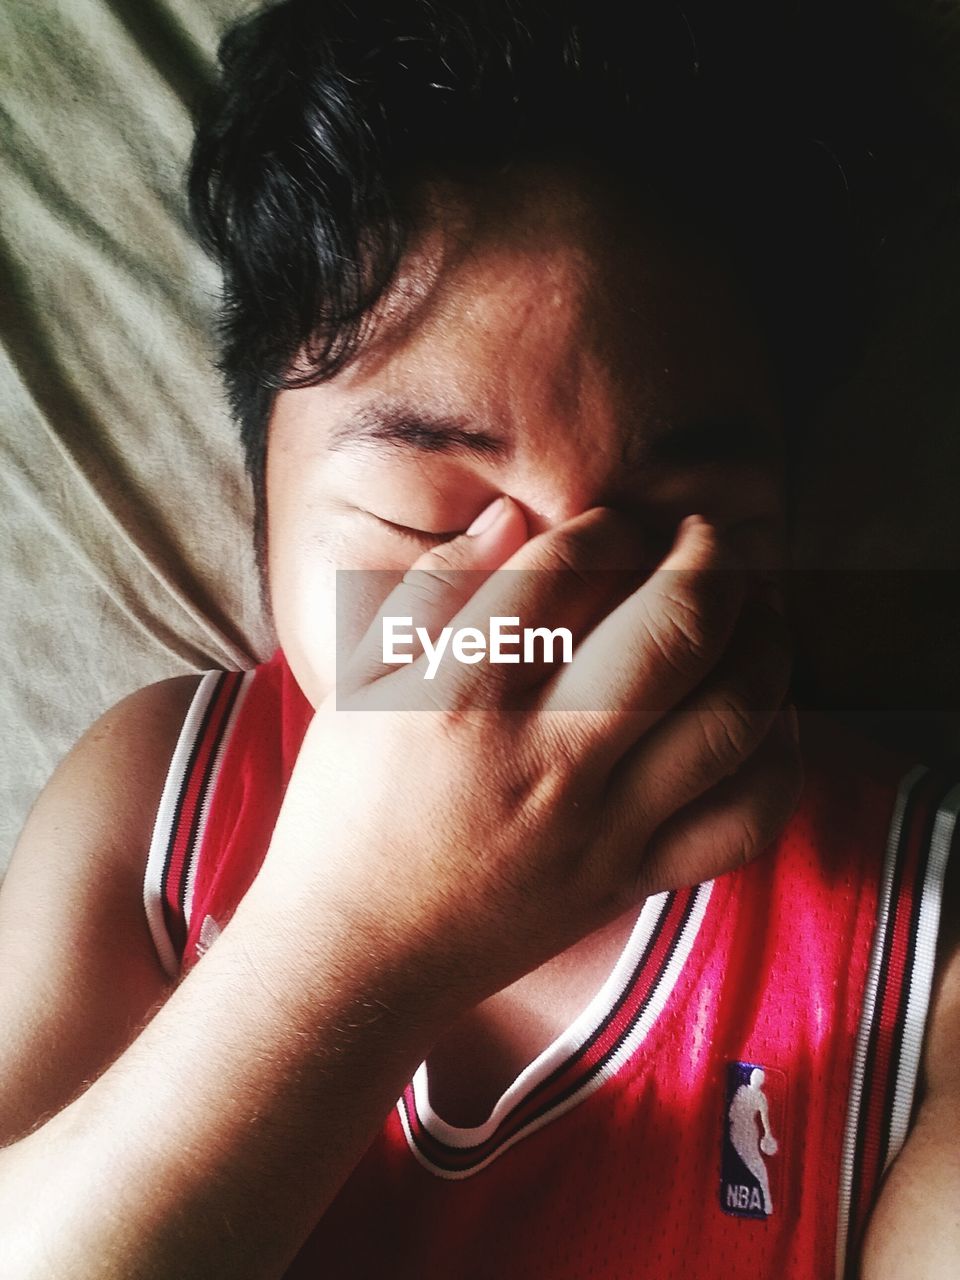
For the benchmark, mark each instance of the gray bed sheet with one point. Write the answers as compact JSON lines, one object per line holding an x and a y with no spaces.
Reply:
{"x":126,"y":553}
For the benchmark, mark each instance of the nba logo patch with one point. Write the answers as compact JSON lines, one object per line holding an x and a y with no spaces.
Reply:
{"x":752,"y":1154}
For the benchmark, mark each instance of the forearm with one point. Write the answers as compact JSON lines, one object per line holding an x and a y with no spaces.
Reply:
{"x":214,"y":1143}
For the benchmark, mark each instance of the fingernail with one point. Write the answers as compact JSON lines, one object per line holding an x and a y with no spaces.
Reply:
{"x":487,"y":517}
{"x":690,"y":522}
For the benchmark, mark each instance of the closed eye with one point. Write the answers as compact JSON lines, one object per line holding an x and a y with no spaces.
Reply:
{"x":421,"y":535}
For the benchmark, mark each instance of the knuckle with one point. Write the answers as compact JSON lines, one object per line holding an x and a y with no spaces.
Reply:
{"x":729,"y":729}
{"x":547,"y":768}
{"x":585,"y":541}
{"x":439,"y":558}
{"x":564,"y":554}
{"x":522,"y":796}
{"x":526,"y":791}
{"x":567,"y":747}
{"x":440,"y":700}
{"x":747,"y":842}
{"x":598,"y":520}
{"x":487,"y":687}
{"x":755,"y":672}
{"x":680,"y":635}
{"x":761,"y":824}
{"x":430,"y":580}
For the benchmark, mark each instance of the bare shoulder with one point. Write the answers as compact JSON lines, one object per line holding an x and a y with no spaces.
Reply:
{"x":103,"y":796}
{"x":915,"y":1227}
{"x":79,"y":970}
{"x":941,"y":1061}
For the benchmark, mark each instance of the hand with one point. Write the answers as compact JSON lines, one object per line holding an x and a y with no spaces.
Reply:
{"x":532,"y":805}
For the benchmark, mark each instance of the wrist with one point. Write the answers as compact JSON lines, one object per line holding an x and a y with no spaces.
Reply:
{"x":318,"y":965}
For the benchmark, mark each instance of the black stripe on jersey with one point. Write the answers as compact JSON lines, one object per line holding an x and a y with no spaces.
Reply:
{"x":460,"y":1159}
{"x":903,"y":996}
{"x":639,"y":1012}
{"x":919,"y":789}
{"x":953,"y":855}
{"x":191,"y":850}
{"x":621,"y":999}
{"x":930,"y":789}
{"x":176,"y":923}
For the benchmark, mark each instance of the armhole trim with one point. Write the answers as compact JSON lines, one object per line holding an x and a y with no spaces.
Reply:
{"x":896,"y":997}
{"x":182,"y":813}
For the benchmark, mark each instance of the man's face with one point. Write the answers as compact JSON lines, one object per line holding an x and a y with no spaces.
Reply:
{"x":543,"y":342}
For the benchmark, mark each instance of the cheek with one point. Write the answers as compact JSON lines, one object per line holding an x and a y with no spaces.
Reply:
{"x":302,"y":580}
{"x":324,"y":588}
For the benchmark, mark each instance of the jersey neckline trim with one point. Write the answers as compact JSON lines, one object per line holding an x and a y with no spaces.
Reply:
{"x":589,"y":1052}
{"x":184,"y":807}
{"x":896,"y":997}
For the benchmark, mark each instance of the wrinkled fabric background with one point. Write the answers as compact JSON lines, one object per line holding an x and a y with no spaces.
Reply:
{"x":125,"y":513}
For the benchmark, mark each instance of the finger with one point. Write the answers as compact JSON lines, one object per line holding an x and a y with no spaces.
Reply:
{"x":565,"y":578}
{"x":712,"y":732}
{"x":436,"y":586}
{"x":650,"y":651}
{"x":731,"y":824}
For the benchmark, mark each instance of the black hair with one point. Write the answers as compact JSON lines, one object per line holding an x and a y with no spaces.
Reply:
{"x":328,"y":114}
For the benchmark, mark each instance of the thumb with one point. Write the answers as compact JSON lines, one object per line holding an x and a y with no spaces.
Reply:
{"x":435,"y":588}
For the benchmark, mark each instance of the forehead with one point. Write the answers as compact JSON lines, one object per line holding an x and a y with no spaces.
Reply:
{"x":547,"y":291}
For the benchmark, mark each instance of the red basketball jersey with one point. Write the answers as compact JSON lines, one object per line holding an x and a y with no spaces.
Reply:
{"x":726,"y":1104}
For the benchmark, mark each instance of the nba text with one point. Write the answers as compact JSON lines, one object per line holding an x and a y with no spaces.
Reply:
{"x":741,"y":1197}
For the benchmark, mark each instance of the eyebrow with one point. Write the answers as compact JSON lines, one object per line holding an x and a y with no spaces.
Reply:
{"x":402,"y":428}
{"x":724,"y":439}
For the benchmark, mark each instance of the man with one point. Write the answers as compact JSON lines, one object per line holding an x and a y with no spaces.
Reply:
{"x":466,"y":331}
